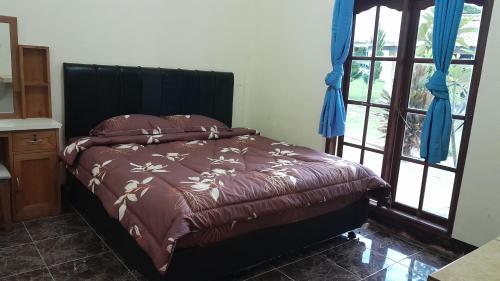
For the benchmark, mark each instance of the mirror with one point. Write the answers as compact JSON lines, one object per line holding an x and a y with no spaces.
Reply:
{"x":6,"y":86}
{"x":9,"y":88}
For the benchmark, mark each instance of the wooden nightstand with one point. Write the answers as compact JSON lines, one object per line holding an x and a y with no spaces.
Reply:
{"x":29,"y":150}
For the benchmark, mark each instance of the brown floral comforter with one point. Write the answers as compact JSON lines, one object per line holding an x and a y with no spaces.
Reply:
{"x":165,"y":187}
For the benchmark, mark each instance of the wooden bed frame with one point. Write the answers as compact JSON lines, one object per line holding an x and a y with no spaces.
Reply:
{"x":95,"y":92}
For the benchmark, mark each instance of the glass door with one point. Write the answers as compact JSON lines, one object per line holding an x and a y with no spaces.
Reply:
{"x":371,"y":82}
{"x":386,"y":101}
{"x":422,"y":189}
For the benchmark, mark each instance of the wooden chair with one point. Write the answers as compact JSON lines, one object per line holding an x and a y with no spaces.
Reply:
{"x":5,"y":197}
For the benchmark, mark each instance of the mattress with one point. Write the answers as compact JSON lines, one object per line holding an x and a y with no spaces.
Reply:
{"x":191,"y":189}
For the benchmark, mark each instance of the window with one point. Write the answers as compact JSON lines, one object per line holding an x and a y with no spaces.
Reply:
{"x":386,"y":99}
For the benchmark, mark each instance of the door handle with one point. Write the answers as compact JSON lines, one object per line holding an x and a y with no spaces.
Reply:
{"x":18,"y":184}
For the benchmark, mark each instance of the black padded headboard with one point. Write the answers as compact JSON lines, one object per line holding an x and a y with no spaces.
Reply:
{"x":93,"y":93}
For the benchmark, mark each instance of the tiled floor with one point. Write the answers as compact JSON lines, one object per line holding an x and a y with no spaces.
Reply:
{"x":66,"y":248}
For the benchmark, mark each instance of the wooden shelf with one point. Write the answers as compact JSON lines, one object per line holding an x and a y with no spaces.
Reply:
{"x":35,"y":81}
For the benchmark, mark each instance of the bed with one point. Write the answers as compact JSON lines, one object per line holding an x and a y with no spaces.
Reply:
{"x":184,"y":201}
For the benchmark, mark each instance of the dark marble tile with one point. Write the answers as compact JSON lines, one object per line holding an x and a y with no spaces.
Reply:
{"x":397,"y":272}
{"x":426,"y":262}
{"x":70,"y":247}
{"x":328,"y":244}
{"x":390,"y":245}
{"x":357,"y":257}
{"x":138,"y":276}
{"x":274,"y":275}
{"x":18,"y":235}
{"x":36,"y":275}
{"x":19,"y":259}
{"x":250,"y":272}
{"x":56,"y":226}
{"x":308,"y":251}
{"x":317,"y":268}
{"x":292,"y":257}
{"x":103,"y":267}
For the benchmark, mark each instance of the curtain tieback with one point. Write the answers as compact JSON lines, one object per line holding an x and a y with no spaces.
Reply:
{"x":437,"y":85}
{"x":334,"y":78}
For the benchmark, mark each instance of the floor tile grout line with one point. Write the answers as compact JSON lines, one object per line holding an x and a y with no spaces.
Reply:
{"x":38,"y":251}
{"x":260,"y":273}
{"x":22,"y":272}
{"x":16,"y":245}
{"x":79,"y":259}
{"x":63,"y":235}
{"x":291,"y":279}
{"x":332,"y":261}
{"x":105,"y":243}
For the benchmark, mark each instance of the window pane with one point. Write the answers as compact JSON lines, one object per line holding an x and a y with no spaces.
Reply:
{"x":459,"y":79}
{"x":409,"y":183}
{"x":455,"y":140}
{"x":420,"y":98}
{"x":377,"y":128}
{"x":360,"y":74}
{"x":354,"y":123}
{"x":468,"y":33}
{"x":438,"y":190}
{"x":373,"y":161}
{"x":413,"y":130}
{"x":363,"y":33}
{"x":350,"y":153}
{"x":388,"y":32}
{"x":383,"y":79}
{"x":424,"y":36}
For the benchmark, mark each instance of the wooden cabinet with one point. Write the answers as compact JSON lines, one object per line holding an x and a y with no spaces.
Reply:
{"x":28,"y":146}
{"x":35,"y":169}
{"x":35,"y":192}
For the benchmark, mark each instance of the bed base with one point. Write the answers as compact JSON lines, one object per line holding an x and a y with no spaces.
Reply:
{"x":220,"y":259}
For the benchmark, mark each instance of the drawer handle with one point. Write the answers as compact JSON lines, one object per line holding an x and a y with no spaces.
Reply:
{"x":35,"y":141}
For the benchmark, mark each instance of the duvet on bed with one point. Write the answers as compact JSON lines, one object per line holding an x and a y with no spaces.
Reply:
{"x":210,"y":185}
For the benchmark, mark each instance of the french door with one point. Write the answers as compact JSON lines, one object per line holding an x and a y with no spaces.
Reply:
{"x":386,"y":99}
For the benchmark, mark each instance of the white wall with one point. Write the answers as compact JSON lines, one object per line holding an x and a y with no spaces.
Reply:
{"x":191,"y":34}
{"x":279,"y":51}
{"x":291,"y":59}
{"x":478,"y":214}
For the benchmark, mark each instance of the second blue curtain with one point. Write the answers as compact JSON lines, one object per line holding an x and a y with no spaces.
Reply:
{"x":435,"y":139}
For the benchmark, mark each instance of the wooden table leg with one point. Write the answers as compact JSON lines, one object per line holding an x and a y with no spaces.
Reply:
{"x":5,"y":201}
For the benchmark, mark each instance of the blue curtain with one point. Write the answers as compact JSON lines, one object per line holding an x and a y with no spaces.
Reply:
{"x":436,"y":131}
{"x":332,"y":121}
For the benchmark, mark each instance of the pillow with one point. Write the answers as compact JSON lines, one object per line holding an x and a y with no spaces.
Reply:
{"x":132,"y":125}
{"x":195,"y":123}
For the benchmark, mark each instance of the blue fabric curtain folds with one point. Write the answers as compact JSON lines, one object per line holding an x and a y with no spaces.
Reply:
{"x":332,"y":121}
{"x":436,"y":131}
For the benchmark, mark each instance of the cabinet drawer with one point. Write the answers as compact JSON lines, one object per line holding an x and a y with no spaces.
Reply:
{"x":34,"y":141}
